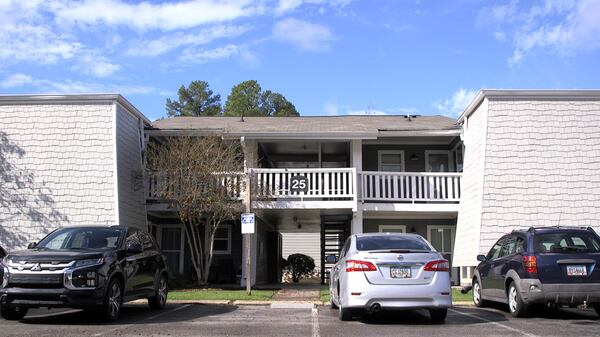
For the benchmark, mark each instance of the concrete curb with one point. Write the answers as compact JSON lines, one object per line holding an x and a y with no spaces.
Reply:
{"x":264,"y":303}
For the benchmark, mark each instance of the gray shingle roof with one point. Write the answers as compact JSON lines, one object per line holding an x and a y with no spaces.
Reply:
{"x":327,"y":126}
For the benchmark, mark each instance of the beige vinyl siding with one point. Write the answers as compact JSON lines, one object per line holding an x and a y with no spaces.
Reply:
{"x":470,"y":207}
{"x":132,"y":205}
{"x":542,"y":165}
{"x":56,"y":162}
{"x":306,"y":240}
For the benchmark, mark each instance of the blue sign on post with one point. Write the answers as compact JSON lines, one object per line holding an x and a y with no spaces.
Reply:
{"x":247,"y":223}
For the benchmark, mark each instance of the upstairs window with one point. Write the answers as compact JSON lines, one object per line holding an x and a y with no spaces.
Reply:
{"x":391,"y":161}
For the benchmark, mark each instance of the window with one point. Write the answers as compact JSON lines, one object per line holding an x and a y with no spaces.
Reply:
{"x":438,"y":161}
{"x":495,"y":251}
{"x":441,"y":238}
{"x":391,"y":160}
{"x":392,"y":228}
{"x":222,"y":241}
{"x":509,"y":247}
{"x":566,"y":243}
{"x":391,"y":242}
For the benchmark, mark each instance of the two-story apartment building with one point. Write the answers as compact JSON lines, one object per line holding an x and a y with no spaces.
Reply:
{"x":363,"y":174}
{"x":513,"y":159}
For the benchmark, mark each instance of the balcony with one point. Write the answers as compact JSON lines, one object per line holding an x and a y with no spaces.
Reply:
{"x":332,"y":188}
{"x":304,"y":188}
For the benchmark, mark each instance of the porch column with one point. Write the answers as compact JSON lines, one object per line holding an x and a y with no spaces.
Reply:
{"x":356,"y":162}
{"x":250,"y":147}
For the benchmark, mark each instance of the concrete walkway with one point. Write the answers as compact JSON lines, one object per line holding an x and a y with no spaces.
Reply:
{"x":298,"y":292}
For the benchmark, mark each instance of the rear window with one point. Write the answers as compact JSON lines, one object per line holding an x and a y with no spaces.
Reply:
{"x":566,"y":243}
{"x":391,"y":242}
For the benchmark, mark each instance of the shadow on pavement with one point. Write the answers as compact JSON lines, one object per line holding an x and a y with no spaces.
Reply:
{"x":540,"y":311}
{"x":131,"y":314}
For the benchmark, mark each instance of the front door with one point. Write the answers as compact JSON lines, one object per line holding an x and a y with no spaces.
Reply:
{"x":438,"y":161}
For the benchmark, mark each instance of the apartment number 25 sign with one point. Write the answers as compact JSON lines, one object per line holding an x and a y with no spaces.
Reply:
{"x":299,"y":184}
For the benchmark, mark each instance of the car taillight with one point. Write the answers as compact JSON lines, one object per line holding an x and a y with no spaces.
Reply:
{"x":530,"y":263}
{"x":437,"y":265}
{"x":356,"y":265}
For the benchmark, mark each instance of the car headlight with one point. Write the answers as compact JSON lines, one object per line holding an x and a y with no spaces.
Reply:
{"x":88,"y":262}
{"x":6,"y":261}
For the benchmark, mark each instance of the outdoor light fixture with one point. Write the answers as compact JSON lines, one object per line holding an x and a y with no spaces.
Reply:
{"x":414,"y":157}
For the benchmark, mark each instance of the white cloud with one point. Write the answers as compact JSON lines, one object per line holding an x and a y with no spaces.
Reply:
{"x":332,"y":108}
{"x":303,"y":34}
{"x":31,"y":84}
{"x":169,"y":42}
{"x":500,"y":36}
{"x":289,"y":5}
{"x":16,"y":80}
{"x":148,"y":15}
{"x":97,"y":65}
{"x":457,"y":103}
{"x":556,"y":26}
{"x":192,"y":55}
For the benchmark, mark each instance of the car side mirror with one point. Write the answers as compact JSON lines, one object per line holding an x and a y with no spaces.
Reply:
{"x":134,"y":247}
{"x":331,"y":259}
{"x":31,"y":245}
{"x":481,"y":258}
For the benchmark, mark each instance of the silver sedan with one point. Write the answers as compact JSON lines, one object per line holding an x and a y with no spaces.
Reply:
{"x":389,"y":271}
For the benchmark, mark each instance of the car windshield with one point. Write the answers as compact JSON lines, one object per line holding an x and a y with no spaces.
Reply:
{"x":82,"y":238}
{"x":391,"y":242}
{"x":568,"y":242}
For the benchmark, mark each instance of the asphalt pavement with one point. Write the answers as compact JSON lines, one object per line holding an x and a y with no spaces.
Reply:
{"x":252,"y":320}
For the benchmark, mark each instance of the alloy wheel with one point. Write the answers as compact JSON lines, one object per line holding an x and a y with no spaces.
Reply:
{"x":163,"y":291}
{"x":114,"y":300}
{"x":476,"y":293}
{"x":512,"y":299}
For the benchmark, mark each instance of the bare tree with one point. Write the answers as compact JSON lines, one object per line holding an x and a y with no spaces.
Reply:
{"x":202,"y":179}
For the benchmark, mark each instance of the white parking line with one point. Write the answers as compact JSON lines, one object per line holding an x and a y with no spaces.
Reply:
{"x":315,"y":322}
{"x":524,"y":333}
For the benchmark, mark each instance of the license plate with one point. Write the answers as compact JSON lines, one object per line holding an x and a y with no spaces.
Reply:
{"x":400,"y":272}
{"x":576,"y":271}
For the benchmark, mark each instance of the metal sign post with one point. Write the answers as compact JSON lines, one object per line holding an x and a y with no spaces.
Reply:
{"x":247,"y":230}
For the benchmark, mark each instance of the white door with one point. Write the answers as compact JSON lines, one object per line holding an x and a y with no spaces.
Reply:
{"x":442,"y":239}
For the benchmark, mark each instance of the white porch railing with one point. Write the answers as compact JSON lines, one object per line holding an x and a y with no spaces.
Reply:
{"x":410,"y":186}
{"x":156,"y":182}
{"x":321,"y":184}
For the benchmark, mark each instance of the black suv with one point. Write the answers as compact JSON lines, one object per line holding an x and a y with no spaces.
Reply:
{"x":86,"y":268}
{"x":553,"y":266}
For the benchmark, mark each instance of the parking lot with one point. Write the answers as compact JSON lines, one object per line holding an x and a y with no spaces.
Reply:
{"x":225,"y":320}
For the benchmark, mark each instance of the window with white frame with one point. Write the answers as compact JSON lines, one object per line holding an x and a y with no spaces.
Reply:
{"x":392,"y":228}
{"x":222,"y":240}
{"x":390,"y":160}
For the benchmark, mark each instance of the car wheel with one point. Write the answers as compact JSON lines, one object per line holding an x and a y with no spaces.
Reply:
{"x":159,"y":300}
{"x":438,"y":315}
{"x":477,"y":299}
{"x":113,"y":300}
{"x":517,"y":307}
{"x":13,"y":314}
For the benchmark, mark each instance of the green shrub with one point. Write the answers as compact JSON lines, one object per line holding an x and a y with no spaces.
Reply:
{"x":301,"y":265}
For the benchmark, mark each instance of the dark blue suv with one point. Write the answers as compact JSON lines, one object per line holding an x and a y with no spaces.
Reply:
{"x":553,"y":266}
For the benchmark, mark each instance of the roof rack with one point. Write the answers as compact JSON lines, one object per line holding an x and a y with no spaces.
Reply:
{"x":532,"y":229}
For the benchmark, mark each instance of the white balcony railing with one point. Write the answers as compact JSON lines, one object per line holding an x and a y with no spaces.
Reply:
{"x":232,"y":183}
{"x":321,"y":184}
{"x":410,"y":186}
{"x":335,"y":184}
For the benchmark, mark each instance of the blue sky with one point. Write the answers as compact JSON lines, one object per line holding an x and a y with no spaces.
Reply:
{"x":327,"y":57}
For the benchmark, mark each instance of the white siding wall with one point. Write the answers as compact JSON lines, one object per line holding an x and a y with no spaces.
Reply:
{"x":56,"y":169}
{"x":542,"y":164}
{"x":469,"y":214}
{"x":132,"y":205}
{"x":305,"y":240}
